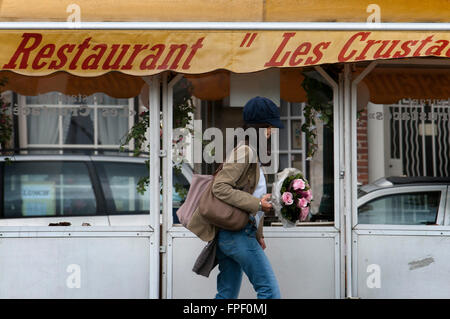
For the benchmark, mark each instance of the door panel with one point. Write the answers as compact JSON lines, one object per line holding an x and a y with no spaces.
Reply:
{"x":405,"y":257}
{"x":404,"y":265}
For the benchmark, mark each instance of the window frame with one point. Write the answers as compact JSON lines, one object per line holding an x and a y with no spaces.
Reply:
{"x":23,"y":127}
{"x":403,"y":190}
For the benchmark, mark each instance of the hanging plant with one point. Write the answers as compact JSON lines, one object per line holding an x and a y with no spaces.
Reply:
{"x":6,"y":123}
{"x":319,"y":107}
{"x":183,"y":109}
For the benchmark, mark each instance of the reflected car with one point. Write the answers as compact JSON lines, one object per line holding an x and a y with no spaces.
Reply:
{"x":405,"y":201}
{"x":96,"y":190}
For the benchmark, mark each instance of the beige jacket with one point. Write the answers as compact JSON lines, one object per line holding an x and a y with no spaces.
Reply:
{"x":240,"y":169}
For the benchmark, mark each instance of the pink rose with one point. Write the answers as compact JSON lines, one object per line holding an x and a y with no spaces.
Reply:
{"x":302,"y":202}
{"x":287,"y":198}
{"x":308,"y":195}
{"x":304,"y":213}
{"x":298,"y":184}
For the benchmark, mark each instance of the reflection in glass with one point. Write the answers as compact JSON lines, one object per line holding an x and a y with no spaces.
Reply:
{"x":119,"y":183}
{"x":284,"y":161}
{"x":296,"y":142}
{"x":78,"y":119}
{"x":284,"y":136}
{"x":296,"y":109}
{"x":401,"y":209}
{"x":48,"y":189}
{"x":297,"y":162}
{"x":284,"y":108}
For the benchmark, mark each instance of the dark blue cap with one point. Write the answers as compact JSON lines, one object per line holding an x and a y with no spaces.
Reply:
{"x":261,"y":110}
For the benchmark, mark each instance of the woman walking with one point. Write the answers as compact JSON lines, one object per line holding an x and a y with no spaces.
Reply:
{"x":241,"y":183}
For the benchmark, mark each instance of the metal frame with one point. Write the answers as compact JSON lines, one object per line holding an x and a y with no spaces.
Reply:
{"x":349,"y":173}
{"x":232,"y":26}
{"x":75,"y":231}
{"x":154,"y":144}
{"x":355,"y":230}
{"x":167,"y":218}
{"x":270,"y":232}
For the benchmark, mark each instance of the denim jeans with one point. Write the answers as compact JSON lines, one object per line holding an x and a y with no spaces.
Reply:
{"x":239,"y":252}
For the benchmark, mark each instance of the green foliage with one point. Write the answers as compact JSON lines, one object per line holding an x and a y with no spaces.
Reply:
{"x":182,"y":116}
{"x":319,"y":106}
{"x":137,"y":133}
{"x":6,"y":124}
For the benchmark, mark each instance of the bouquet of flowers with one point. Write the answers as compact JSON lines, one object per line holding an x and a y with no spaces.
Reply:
{"x":291,"y":196}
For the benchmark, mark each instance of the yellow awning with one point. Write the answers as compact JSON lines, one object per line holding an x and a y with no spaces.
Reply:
{"x":210,"y":86}
{"x":60,"y":58}
{"x":114,"y":84}
{"x":145,"y":52}
{"x":389,"y":85}
{"x":216,"y":85}
{"x":226,"y":10}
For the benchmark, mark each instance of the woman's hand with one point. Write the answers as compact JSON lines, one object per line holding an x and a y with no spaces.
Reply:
{"x":266,"y":206}
{"x":262,"y":243}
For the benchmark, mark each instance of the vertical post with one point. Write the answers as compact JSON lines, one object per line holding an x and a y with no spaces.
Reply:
{"x":351,"y":162}
{"x":342,"y":181}
{"x":167,"y":180}
{"x":154,"y":145}
{"x":337,"y":150}
{"x":347,"y":178}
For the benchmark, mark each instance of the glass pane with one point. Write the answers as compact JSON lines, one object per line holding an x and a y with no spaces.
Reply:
{"x":179,"y":192}
{"x":119,"y":182}
{"x":284,"y":108}
{"x":42,"y":127}
{"x":296,"y":142}
{"x":297,"y":161}
{"x":296,"y":109}
{"x":71,"y":99}
{"x":284,"y":136}
{"x":112,"y":125}
{"x":51,"y":98}
{"x":77,"y":128}
{"x":284,"y":161}
{"x":401,"y":209}
{"x":104,"y":99}
{"x":48,"y":189}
